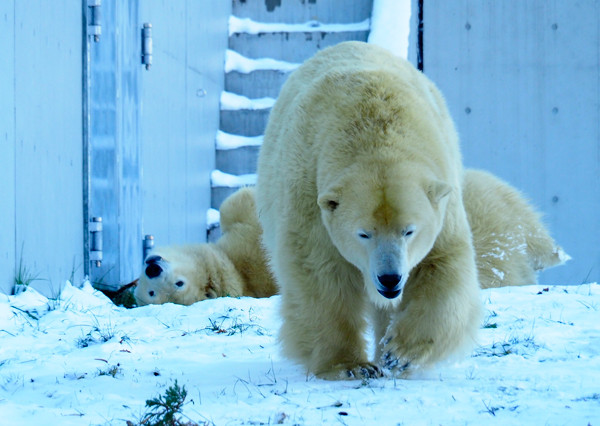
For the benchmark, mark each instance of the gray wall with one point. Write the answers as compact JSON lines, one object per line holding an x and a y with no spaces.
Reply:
{"x":300,"y":11}
{"x":41,"y":125}
{"x":115,"y":144}
{"x":153,"y":142}
{"x":522,"y":81}
{"x":151,"y":133}
{"x":152,"y":138}
{"x":178,"y":132}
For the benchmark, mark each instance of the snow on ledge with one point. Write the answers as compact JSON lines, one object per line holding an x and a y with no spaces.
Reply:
{"x":248,"y":26}
{"x":225,"y":141}
{"x":226,"y":180}
{"x":390,"y":26}
{"x":236,"y":62}
{"x":231,"y":101}
{"x":213,"y":217}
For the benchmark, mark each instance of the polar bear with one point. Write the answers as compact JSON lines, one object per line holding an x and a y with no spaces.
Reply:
{"x":233,"y":266}
{"x":511,"y":242}
{"x":359,"y":194}
{"x":511,"y":245}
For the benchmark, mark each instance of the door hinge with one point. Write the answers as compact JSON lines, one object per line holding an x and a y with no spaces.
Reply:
{"x":95,"y":229}
{"x":94,"y":22}
{"x":147,"y":45}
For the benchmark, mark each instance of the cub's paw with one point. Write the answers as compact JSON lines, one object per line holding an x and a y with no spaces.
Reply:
{"x":352,"y":372}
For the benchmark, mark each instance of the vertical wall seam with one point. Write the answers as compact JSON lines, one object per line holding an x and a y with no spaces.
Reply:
{"x":420,"y":63}
{"x":14,"y":94}
{"x":85,"y":143}
{"x":598,"y":85}
{"x":186,"y":134}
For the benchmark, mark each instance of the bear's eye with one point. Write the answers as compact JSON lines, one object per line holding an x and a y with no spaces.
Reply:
{"x":409,"y":231}
{"x":179,"y":283}
{"x":332,"y":205}
{"x":364,"y":235}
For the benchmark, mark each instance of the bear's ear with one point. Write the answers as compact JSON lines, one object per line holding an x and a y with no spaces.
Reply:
{"x":437,"y":191}
{"x":329,"y":202}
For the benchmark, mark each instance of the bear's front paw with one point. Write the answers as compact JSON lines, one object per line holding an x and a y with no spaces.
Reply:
{"x":403,"y":357}
{"x":351,"y":372}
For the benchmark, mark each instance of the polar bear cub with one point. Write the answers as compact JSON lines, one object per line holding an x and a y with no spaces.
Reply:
{"x":234,"y":266}
{"x":511,"y":242}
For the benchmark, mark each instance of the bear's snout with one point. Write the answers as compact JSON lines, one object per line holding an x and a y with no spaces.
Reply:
{"x":389,"y":288}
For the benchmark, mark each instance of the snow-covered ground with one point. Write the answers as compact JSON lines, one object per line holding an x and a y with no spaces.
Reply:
{"x":81,"y":360}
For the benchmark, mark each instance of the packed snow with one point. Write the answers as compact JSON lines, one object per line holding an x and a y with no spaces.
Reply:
{"x":81,"y":360}
{"x":228,"y":141}
{"x":233,"y":101}
{"x":236,"y":62}
{"x":390,"y":25}
{"x":248,"y":26}
{"x":221,"y":179}
{"x":213,"y":217}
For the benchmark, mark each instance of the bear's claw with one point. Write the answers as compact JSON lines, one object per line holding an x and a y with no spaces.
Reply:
{"x":394,"y":364}
{"x":364,"y":372}
{"x":370,"y":372}
{"x":361,"y":371}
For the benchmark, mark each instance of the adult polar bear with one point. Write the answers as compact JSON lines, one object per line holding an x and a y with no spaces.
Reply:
{"x":359,"y":196}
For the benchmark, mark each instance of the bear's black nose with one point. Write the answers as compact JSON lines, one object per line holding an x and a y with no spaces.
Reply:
{"x":151,"y":293}
{"x":389,"y":281}
{"x":153,"y":270}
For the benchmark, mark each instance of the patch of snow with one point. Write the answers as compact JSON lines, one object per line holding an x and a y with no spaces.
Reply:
{"x":521,"y":248}
{"x":499,"y":274}
{"x":87,"y":361}
{"x":390,"y":25}
{"x":220,"y":179}
{"x":30,"y":299}
{"x":497,"y":253}
{"x":213,"y":216}
{"x":236,"y":62}
{"x":226,"y":141}
{"x":248,"y":26}
{"x":232,"y":101}
{"x":562,"y":255}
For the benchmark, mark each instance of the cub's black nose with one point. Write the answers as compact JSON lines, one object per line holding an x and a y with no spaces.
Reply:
{"x":389,"y":281}
{"x":153,"y":270}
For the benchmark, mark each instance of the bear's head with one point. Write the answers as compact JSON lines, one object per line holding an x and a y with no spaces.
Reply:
{"x":178,"y":274}
{"x":384,"y":226}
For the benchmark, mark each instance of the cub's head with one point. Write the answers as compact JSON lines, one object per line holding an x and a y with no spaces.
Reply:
{"x":181,"y":275}
{"x":384,"y":228}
